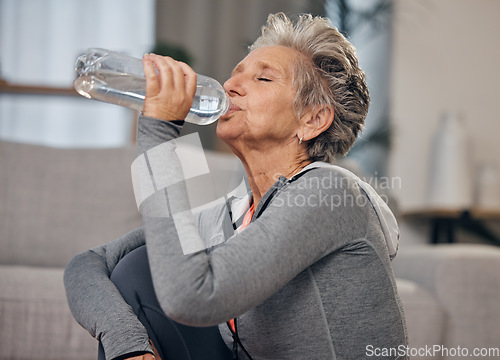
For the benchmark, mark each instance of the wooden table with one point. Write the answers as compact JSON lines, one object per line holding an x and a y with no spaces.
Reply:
{"x":444,"y":221}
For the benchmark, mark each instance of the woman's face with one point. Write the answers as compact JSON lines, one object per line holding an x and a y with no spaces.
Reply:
{"x":262,"y":97}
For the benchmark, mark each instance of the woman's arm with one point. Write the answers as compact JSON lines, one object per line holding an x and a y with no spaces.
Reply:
{"x":98,"y":305}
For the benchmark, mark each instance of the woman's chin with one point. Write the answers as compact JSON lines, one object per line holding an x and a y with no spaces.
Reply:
{"x":226,"y":131}
{"x":221,"y":130}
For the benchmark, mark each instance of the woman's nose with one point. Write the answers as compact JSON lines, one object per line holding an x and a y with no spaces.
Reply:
{"x":233,"y":86}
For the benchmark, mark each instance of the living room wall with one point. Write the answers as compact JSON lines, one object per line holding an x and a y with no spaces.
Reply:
{"x":445,"y":59}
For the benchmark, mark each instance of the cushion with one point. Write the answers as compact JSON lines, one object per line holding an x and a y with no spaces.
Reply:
{"x":465,"y":279}
{"x":425,"y":319}
{"x":57,"y":202}
{"x":35,"y":321}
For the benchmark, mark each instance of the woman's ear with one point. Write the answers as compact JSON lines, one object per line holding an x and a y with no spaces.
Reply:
{"x":316,"y":121}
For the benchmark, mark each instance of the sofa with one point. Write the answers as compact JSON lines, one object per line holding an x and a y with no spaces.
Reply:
{"x":57,"y":202}
{"x":451,"y":295}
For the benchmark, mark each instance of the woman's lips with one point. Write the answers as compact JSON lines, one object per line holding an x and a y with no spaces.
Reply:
{"x":232,"y":108}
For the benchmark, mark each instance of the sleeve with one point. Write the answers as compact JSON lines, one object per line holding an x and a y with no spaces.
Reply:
{"x":205,"y":289}
{"x":96,"y":303}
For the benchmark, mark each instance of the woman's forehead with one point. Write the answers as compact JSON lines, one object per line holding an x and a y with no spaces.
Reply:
{"x":274,"y":58}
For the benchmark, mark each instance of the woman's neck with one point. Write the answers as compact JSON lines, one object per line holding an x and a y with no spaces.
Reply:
{"x":264,"y":169}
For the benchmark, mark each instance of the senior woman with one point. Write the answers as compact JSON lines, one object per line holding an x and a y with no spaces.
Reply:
{"x":307,"y":275}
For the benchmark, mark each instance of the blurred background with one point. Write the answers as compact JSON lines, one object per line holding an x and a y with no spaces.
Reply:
{"x":426,"y":60}
{"x":430,"y":144}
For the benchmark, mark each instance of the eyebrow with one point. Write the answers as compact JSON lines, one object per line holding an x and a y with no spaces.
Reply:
{"x":263,"y":65}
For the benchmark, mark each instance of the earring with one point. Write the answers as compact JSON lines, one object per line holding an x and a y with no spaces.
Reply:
{"x":300,"y":140}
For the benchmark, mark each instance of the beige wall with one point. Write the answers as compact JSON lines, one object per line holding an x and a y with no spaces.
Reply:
{"x":446,"y":57}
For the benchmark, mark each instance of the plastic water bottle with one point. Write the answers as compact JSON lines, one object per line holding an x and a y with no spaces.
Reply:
{"x":119,"y":79}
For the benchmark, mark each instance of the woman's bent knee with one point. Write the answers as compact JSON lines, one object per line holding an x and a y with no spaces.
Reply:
{"x":132,"y":277}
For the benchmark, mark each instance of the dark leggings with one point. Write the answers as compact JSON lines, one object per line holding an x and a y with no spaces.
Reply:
{"x":173,"y":341}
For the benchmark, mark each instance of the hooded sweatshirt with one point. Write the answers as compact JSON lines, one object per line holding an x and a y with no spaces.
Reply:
{"x":309,"y":278}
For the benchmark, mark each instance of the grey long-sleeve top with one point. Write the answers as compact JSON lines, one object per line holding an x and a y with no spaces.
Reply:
{"x":310,"y":277}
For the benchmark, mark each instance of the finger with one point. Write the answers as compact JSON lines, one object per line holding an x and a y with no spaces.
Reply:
{"x":164,"y":66}
{"x":157,"y":355}
{"x":190,"y":78}
{"x":177,"y":74}
{"x":152,"y":85}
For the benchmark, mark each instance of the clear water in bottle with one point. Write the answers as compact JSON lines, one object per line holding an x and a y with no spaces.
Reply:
{"x":119,"y":79}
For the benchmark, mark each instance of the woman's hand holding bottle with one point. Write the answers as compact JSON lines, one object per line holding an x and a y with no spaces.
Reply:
{"x":170,"y":88}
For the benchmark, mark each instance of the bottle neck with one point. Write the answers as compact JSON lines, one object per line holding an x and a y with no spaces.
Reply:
{"x":227,"y":104}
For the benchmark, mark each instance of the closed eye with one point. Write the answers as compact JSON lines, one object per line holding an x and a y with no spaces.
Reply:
{"x":263,"y":79}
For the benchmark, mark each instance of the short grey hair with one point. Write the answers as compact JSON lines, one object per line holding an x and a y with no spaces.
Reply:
{"x":332,"y":76}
